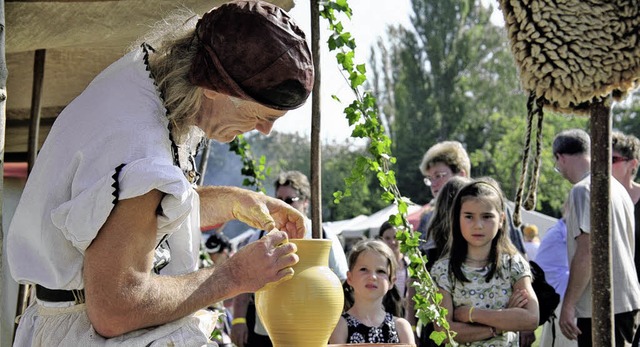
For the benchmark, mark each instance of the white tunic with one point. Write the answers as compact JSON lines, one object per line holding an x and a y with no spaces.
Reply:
{"x":119,"y":120}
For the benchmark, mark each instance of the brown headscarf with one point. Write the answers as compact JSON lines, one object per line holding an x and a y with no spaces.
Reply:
{"x":254,"y":51}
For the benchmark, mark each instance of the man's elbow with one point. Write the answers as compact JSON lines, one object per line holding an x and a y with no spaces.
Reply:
{"x":107,"y":324}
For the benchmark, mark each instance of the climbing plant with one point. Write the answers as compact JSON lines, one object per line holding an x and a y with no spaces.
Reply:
{"x":254,"y":172}
{"x":362,"y":114}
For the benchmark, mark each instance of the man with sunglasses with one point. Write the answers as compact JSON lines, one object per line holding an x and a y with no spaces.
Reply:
{"x":572,"y":153}
{"x":624,"y":167}
{"x":293,"y":188}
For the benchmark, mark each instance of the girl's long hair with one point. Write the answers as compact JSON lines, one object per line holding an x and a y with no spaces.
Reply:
{"x":487,"y":190}
{"x":440,"y":223}
{"x":392,"y":300}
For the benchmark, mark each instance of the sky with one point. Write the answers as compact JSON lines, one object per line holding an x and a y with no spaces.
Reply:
{"x":369,"y":21}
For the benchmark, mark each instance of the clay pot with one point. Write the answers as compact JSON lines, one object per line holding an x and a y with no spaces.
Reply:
{"x":304,"y":310}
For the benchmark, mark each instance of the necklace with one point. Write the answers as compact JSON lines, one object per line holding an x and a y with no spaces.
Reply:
{"x":191,"y":173}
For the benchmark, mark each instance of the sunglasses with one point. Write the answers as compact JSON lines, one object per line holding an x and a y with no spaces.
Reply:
{"x":428,"y":181}
{"x":290,"y":200}
{"x":615,"y":159}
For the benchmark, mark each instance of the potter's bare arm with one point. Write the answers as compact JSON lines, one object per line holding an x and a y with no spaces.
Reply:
{"x":220,"y":204}
{"x":119,"y":281}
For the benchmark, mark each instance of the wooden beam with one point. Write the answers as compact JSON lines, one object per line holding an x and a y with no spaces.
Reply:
{"x":3,"y":98}
{"x":601,"y":266}
{"x":316,"y":148}
{"x":36,"y":98}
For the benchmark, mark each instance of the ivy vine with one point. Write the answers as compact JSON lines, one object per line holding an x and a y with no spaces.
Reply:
{"x":362,"y":113}
{"x":255,"y":172}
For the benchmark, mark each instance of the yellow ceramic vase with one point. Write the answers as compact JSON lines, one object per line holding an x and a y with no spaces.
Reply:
{"x":304,"y":310}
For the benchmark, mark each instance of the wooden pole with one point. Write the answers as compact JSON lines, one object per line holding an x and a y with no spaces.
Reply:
{"x":34,"y":142}
{"x":36,"y":98}
{"x":3,"y":124}
{"x":204,"y":161}
{"x":316,"y":152}
{"x":601,"y":266}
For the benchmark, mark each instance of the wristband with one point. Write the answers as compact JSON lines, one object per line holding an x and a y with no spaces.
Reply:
{"x":239,"y":320}
{"x":494,"y":333}
{"x":470,"y":311}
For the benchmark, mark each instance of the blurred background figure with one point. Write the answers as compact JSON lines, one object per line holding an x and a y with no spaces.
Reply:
{"x":387,"y":234}
{"x":218,"y":247}
{"x":553,"y":259}
{"x":624,"y":167}
{"x":531,"y":239}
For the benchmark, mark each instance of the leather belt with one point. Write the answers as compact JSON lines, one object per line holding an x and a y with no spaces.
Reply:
{"x":59,"y":295}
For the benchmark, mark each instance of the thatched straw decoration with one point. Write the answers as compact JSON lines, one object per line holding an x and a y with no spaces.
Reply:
{"x":572,"y":52}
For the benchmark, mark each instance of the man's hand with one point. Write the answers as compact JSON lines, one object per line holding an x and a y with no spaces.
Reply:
{"x":267,"y":213}
{"x":264,"y":261}
{"x":567,"y":322}
{"x":221,"y":204}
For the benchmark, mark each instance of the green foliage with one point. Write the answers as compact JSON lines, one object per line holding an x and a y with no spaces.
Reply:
{"x":627,"y":113}
{"x":255,"y":172}
{"x":363,"y":114}
{"x":286,"y":152}
{"x":452,"y":77}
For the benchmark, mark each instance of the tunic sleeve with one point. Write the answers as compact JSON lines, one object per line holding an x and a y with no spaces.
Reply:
{"x":81,"y":217}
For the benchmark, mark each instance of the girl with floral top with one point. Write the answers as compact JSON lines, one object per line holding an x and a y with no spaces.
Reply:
{"x":485,"y":282}
{"x":372,"y":315}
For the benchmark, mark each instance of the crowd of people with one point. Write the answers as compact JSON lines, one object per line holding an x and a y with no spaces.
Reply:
{"x":110,"y":220}
{"x":479,"y":259}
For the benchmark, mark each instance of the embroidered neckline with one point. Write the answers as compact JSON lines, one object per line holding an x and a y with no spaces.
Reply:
{"x":191,"y":174}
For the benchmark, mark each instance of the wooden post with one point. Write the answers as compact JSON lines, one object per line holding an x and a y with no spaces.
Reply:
{"x":36,"y":98}
{"x":316,"y":152}
{"x":3,"y":124}
{"x":34,"y":144}
{"x":204,"y":161}
{"x":601,"y":268}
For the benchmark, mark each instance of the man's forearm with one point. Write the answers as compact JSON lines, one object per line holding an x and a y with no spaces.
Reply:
{"x":156,"y":300}
{"x":216,"y":204}
{"x":579,"y":276}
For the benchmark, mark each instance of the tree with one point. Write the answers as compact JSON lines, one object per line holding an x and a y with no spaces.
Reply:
{"x":452,"y":77}
{"x":284,"y":152}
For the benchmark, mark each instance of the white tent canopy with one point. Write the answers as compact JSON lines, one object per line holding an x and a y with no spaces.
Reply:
{"x":370,"y":225}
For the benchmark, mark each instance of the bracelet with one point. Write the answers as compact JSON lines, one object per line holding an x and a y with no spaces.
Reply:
{"x":239,"y":320}
{"x":494,"y":333}
{"x":470,"y":311}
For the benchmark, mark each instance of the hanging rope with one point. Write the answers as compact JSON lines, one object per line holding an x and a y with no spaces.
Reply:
{"x":525,"y":159}
{"x":530,"y":202}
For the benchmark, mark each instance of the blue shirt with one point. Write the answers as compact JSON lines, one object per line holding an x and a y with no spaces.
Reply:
{"x":552,"y":257}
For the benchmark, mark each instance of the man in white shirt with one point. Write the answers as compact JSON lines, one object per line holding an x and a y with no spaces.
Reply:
{"x":571,"y":150}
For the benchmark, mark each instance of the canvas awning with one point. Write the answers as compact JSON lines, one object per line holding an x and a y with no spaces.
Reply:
{"x":81,"y":38}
